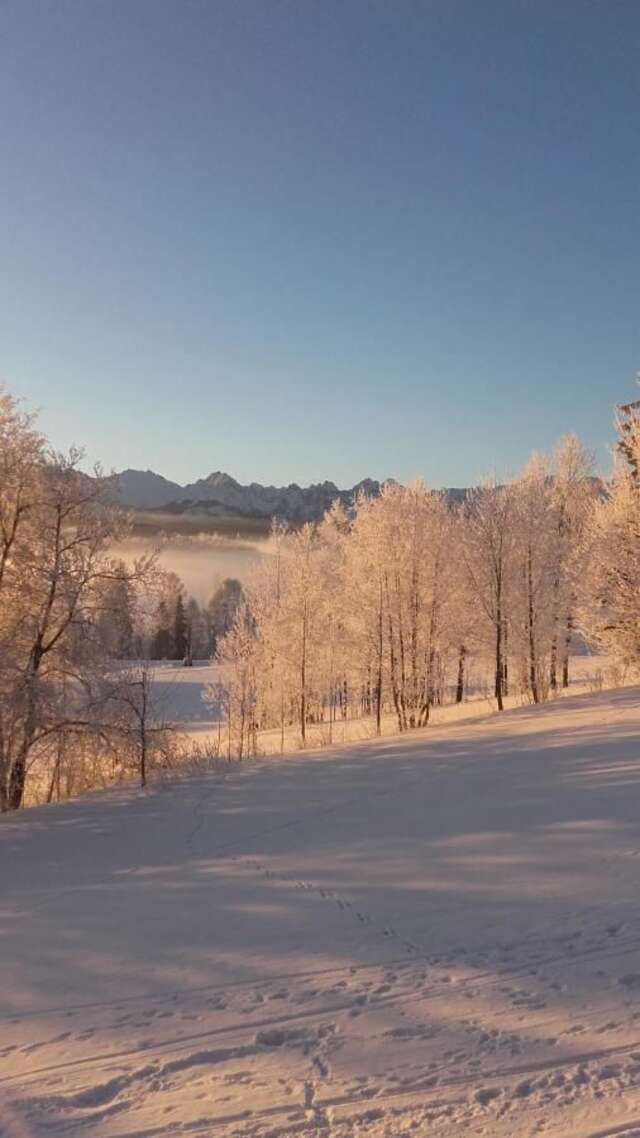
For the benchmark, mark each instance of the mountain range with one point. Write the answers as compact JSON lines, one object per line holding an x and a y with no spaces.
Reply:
{"x":220,"y":503}
{"x":220,"y":495}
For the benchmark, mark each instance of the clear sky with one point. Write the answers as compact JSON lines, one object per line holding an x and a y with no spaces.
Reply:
{"x":298,"y":240}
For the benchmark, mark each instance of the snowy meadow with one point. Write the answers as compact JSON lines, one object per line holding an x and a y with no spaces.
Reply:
{"x":349,"y":847}
{"x":319,"y":569}
{"x":391,"y":611}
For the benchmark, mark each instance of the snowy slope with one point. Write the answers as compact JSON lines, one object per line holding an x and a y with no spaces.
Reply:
{"x":433,"y":935}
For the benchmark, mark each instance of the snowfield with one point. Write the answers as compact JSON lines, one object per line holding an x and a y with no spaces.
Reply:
{"x":432,"y":935}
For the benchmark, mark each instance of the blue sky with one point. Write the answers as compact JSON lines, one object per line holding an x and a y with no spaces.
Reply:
{"x":298,"y":240}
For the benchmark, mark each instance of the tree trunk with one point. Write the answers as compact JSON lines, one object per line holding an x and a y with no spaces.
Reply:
{"x":55,"y":779}
{"x":392,"y":671}
{"x":460,"y":685}
{"x":303,"y":681}
{"x":380,"y":647}
{"x":413,"y":647}
{"x":18,"y":773}
{"x":567,"y":644}
{"x":499,"y":675}
{"x":332,"y":696}
{"x":143,"y":731}
{"x":533,"y":672}
{"x":402,"y":691}
{"x":16,"y":783}
{"x":553,"y":665}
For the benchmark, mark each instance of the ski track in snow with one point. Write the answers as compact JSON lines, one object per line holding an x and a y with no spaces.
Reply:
{"x":438,"y":934}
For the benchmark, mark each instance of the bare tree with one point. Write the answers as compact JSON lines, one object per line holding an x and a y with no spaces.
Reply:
{"x":135,"y":719}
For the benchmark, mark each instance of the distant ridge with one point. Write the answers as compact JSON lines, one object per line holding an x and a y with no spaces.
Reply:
{"x":221,"y":495}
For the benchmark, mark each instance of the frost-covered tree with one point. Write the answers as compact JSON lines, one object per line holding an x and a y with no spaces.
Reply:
{"x":274,"y":663}
{"x":380,"y":609}
{"x":610,"y":608}
{"x":300,"y":618}
{"x":365,"y":601}
{"x":416,"y":526}
{"x":535,"y":563}
{"x":66,"y":611}
{"x":22,"y":459}
{"x":574,"y":492}
{"x":466,"y":626}
{"x":336,"y":681}
{"x":57,"y":526}
{"x":489,"y":551}
{"x":237,"y":695}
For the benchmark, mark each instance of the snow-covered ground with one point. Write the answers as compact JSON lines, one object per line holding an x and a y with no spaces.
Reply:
{"x":437,"y":934}
{"x":178,"y":697}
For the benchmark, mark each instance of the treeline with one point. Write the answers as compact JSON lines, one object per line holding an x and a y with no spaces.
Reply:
{"x":378,"y":611}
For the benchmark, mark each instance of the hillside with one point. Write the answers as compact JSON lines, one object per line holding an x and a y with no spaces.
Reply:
{"x":364,"y":940}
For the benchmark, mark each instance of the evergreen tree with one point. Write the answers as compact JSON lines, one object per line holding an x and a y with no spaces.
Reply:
{"x":116,"y":617}
{"x":197,"y":646}
{"x":222,"y":609}
{"x":162,"y":645}
{"x":180,"y":638}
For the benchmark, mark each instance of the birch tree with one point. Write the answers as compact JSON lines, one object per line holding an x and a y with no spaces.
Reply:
{"x":237,"y":655}
{"x":534,"y":541}
{"x":365,"y":597}
{"x":610,"y":596}
{"x":489,"y":553}
{"x":574,"y":492}
{"x":414,"y":527}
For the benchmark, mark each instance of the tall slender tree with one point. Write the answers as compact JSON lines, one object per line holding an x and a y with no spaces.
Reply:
{"x":489,"y":557}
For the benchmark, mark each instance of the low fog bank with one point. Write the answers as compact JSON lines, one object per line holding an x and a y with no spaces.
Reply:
{"x":202,"y":561}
